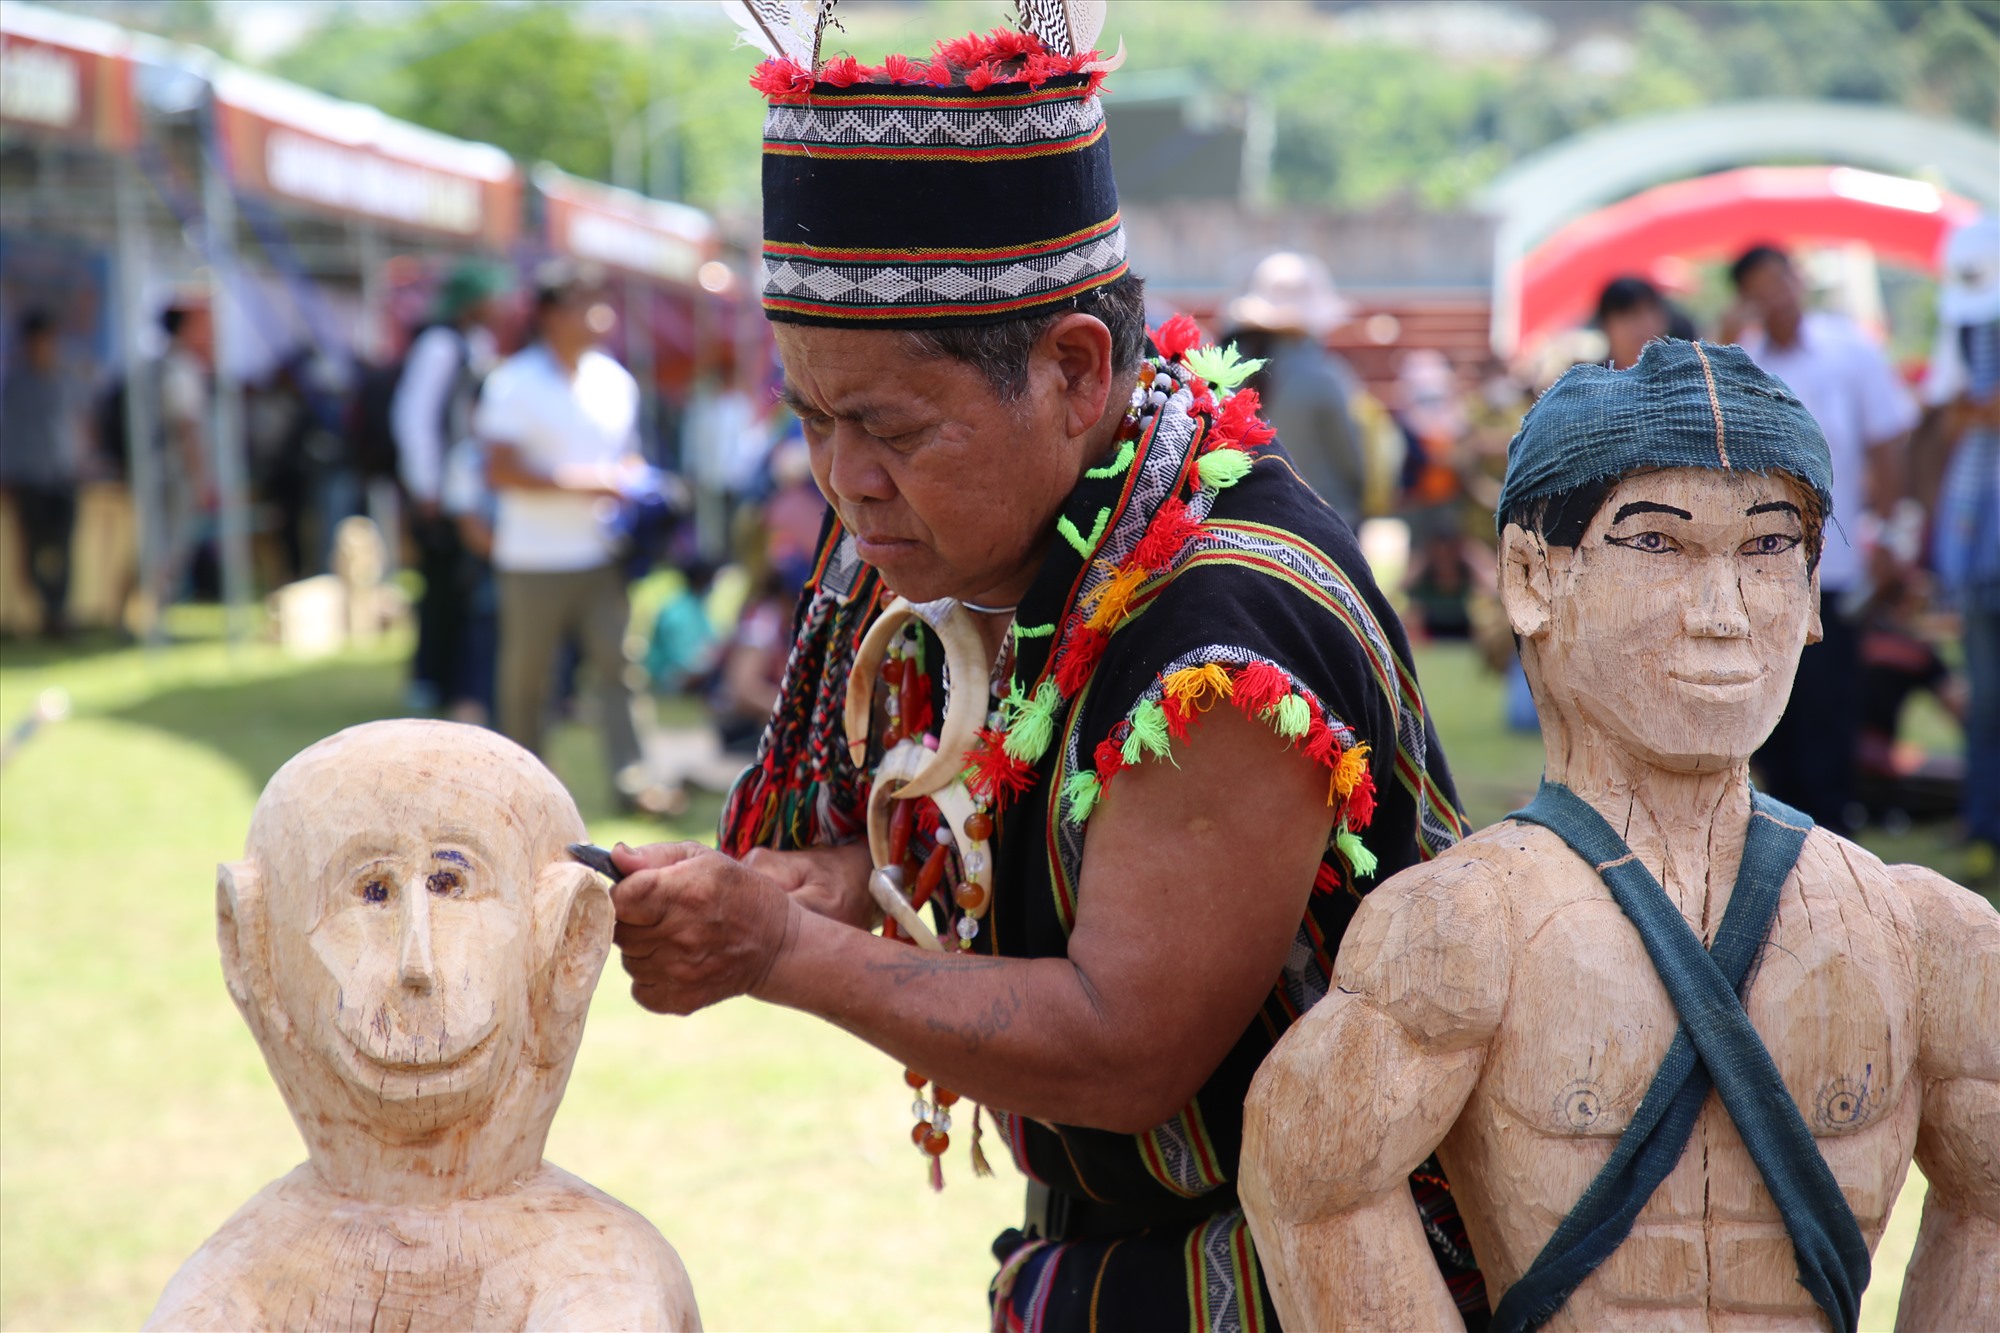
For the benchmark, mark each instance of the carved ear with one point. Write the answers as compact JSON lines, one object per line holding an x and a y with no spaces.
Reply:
{"x":1525,"y":585}
{"x":1815,"y":631}
{"x":573,"y":924}
{"x":240,"y":935}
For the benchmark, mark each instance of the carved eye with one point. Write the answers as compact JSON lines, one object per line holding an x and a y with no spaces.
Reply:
{"x":375,"y":891}
{"x":444,"y":883}
{"x":1652,"y":543}
{"x":1771,"y":543}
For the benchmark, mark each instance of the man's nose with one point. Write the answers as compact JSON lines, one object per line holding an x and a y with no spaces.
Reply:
{"x":1715,"y":608}
{"x":413,"y":964}
{"x":854,"y":468}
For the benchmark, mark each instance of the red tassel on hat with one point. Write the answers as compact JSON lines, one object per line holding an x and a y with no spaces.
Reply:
{"x":842,"y":72}
{"x":778,"y":79}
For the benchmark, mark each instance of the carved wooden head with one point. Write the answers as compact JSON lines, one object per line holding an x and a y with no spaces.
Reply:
{"x":1672,"y":627}
{"x":406,"y":937}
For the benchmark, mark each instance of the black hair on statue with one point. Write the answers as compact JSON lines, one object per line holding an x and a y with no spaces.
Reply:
{"x":1560,"y":519}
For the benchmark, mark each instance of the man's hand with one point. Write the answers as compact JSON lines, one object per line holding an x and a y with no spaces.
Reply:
{"x":829,"y":881}
{"x":695,"y":926}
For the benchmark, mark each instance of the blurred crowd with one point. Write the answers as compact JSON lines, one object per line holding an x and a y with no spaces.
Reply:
{"x":555,"y":562}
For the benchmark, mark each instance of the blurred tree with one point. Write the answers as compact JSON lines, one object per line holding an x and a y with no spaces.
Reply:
{"x":535,"y":80}
{"x":1361,"y":120}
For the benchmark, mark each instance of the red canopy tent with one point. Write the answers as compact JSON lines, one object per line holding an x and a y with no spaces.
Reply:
{"x":1903,"y":220}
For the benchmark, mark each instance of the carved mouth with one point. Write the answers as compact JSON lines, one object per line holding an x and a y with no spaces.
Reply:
{"x":1720,"y":676}
{"x":425,"y":1067}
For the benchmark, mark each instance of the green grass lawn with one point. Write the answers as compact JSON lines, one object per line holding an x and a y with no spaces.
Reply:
{"x":136,"y":1114}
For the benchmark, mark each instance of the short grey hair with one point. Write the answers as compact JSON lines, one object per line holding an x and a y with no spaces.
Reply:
{"x":1001,"y":352}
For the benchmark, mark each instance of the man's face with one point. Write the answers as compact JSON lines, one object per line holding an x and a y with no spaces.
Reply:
{"x":948,"y":489}
{"x":402,"y":944}
{"x":1628,"y":332}
{"x":1676,"y":623}
{"x":1773,"y":289}
{"x":41,"y":351}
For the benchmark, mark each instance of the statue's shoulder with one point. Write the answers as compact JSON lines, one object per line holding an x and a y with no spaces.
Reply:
{"x":217,"y":1288}
{"x":1433,"y":944}
{"x":598,"y":1221}
{"x":621,"y":1271}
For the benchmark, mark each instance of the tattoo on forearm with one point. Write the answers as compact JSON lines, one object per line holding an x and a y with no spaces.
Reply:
{"x":980,"y":1030}
{"x":922,"y":966}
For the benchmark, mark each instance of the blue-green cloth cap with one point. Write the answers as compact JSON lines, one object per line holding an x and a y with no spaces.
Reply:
{"x":1683,"y":405}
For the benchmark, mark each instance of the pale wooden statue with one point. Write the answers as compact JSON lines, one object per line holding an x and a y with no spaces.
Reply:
{"x":415,"y":954}
{"x":1498,"y":1006}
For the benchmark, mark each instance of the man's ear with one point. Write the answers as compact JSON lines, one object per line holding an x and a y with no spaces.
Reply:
{"x":241,"y":936}
{"x":573,"y":923}
{"x":1815,"y":631}
{"x":1525,"y":582}
{"x":1079,"y":347}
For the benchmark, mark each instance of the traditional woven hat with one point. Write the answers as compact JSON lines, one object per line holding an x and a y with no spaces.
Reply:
{"x":1685,"y":404}
{"x":969,"y":187}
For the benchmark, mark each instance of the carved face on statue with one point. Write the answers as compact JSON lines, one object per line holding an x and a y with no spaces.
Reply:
{"x":1673,"y":627}
{"x":407,"y":939}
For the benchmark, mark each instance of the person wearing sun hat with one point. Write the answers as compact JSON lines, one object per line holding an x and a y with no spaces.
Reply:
{"x":1203,"y":739}
{"x":1292,"y":303}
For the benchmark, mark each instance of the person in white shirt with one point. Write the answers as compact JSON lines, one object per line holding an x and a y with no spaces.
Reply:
{"x":1865,"y":412}
{"x":433,"y":408}
{"x":559,"y":422}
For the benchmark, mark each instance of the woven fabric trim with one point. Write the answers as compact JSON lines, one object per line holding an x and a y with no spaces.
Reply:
{"x":905,"y":125}
{"x":1714,"y":405}
{"x":865,"y":291}
{"x":835,"y":254}
{"x":929,"y":153}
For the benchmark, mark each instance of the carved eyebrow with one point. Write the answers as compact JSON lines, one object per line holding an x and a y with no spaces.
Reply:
{"x":456,"y":858}
{"x":1774,"y":507}
{"x":1648,"y":507}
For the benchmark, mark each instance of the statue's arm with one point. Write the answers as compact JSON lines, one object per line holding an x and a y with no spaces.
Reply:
{"x":1360,"y":1091}
{"x":1954,"y":1277}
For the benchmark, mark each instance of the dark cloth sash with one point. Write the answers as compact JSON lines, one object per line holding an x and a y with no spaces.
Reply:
{"x":1715,"y":1043}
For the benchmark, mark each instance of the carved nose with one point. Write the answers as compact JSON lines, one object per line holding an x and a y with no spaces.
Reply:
{"x":1715,"y":603}
{"x":414,"y":958}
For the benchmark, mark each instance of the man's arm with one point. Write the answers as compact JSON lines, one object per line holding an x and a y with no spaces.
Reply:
{"x":1954,"y":1277}
{"x":1360,"y":1091}
{"x":1194,"y":880}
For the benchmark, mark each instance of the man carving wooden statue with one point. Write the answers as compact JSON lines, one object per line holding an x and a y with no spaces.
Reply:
{"x":415,"y":954}
{"x":1550,"y":1004}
